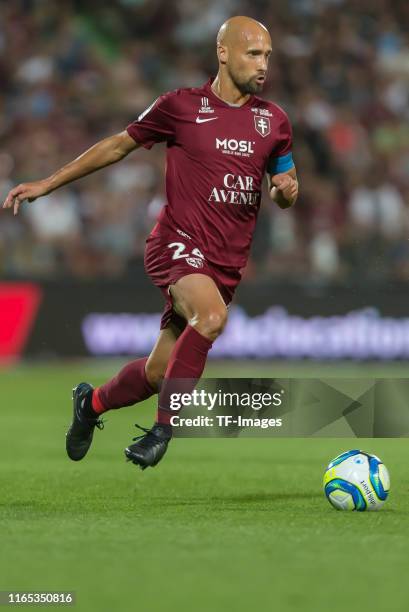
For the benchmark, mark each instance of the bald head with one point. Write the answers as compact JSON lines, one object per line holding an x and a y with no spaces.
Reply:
{"x":240,"y":29}
{"x":243,"y":49}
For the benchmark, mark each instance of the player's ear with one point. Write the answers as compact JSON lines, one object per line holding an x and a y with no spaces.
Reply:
{"x":222,"y":53}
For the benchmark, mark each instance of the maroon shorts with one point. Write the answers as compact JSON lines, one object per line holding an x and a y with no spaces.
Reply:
{"x":167,"y":260}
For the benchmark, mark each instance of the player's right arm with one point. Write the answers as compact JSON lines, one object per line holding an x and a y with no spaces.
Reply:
{"x":103,"y":153}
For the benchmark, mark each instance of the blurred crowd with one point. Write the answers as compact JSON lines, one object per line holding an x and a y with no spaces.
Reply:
{"x":72,"y":73}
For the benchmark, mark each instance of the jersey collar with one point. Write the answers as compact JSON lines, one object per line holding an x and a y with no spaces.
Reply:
{"x":208,"y":89}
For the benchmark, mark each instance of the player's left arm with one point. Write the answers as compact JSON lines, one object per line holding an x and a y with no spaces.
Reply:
{"x":282,"y":175}
{"x":283,"y":188}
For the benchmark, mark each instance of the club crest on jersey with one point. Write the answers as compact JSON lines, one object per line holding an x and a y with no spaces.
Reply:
{"x":262,"y":125}
{"x":205,"y":108}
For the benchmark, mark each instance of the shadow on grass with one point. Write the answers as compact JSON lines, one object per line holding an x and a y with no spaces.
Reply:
{"x":249,"y":498}
{"x":260,"y":497}
{"x":259,"y":501}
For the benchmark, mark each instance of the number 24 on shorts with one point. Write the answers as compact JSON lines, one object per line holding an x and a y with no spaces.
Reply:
{"x":179,"y":251}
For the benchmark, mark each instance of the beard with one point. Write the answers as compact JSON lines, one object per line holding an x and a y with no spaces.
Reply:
{"x":249,"y":86}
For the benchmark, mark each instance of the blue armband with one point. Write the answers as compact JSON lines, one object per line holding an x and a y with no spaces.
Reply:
{"x":280,"y":164}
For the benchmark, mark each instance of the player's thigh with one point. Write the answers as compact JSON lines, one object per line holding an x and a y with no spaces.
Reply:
{"x":197,"y":298}
{"x":159,"y":357}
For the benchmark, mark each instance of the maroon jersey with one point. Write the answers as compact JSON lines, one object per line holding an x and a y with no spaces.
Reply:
{"x":217,"y":155}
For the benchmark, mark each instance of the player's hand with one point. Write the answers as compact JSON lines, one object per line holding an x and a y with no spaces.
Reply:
{"x":25,"y":191}
{"x":285,"y":184}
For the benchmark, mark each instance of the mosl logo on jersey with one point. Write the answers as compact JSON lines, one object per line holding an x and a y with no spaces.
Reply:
{"x":230,"y":146}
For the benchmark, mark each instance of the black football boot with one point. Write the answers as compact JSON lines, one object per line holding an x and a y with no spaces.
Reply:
{"x":150,"y":447}
{"x":84,"y":421}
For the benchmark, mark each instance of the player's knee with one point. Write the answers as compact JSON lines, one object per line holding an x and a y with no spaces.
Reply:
{"x":155,"y":372}
{"x":211,"y":323}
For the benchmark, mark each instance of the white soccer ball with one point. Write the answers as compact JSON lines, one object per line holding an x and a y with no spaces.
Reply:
{"x":356,"y":480}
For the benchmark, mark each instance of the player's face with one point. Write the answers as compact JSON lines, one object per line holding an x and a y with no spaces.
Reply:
{"x":248,"y":63}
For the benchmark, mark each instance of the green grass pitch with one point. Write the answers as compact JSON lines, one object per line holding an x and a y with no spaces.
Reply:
{"x":220,"y":524}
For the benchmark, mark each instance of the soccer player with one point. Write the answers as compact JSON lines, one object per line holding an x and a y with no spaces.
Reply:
{"x":221,"y":140}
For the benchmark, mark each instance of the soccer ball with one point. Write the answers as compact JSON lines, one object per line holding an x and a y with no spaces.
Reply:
{"x":356,"y":481}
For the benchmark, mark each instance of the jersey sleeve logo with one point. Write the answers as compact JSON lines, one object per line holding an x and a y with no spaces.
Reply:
{"x":145,"y":112}
{"x":262,"y":125}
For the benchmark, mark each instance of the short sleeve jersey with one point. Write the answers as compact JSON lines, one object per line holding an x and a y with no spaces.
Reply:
{"x":217,"y":155}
